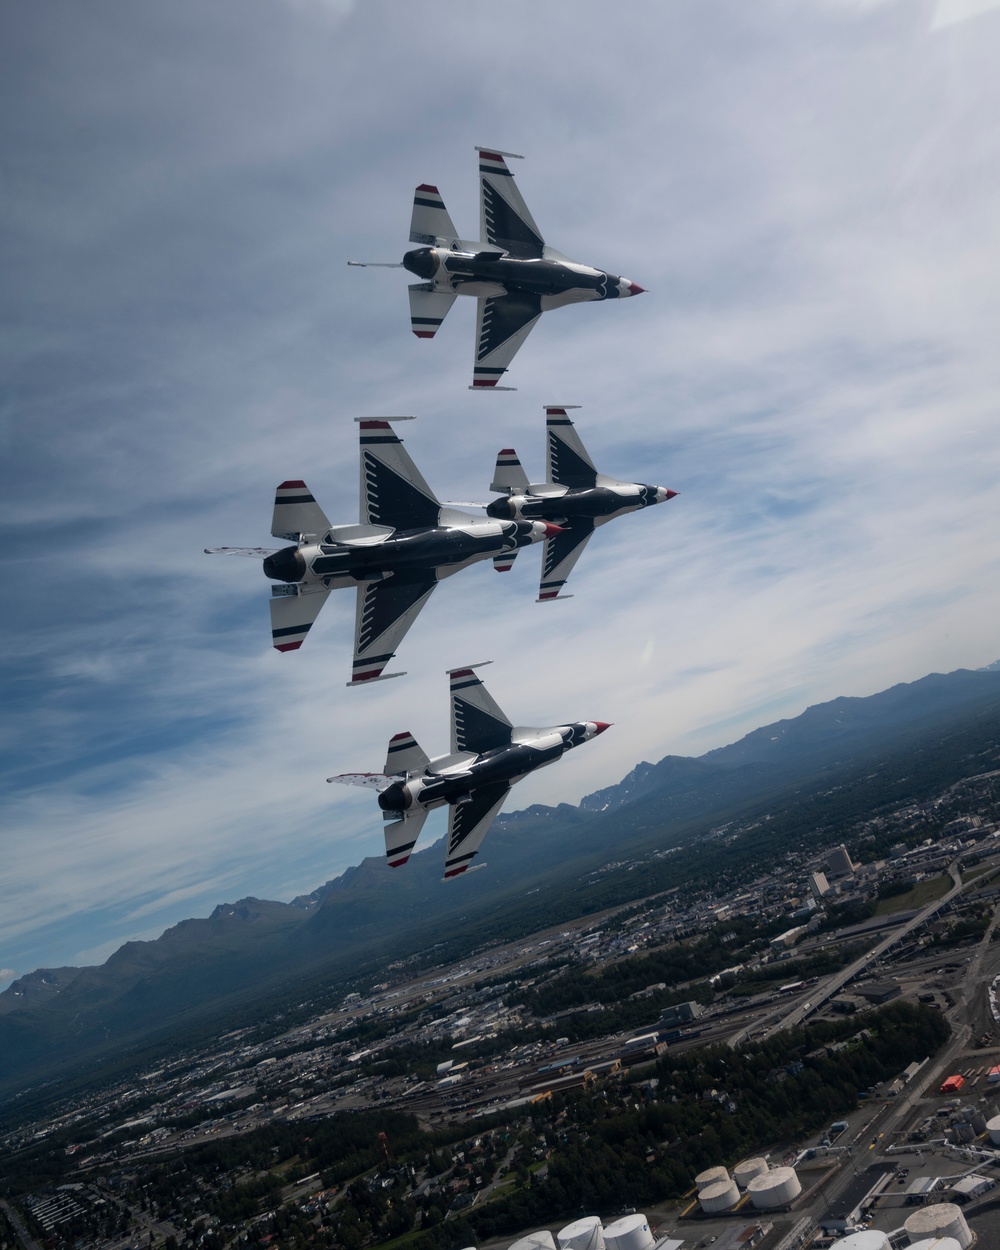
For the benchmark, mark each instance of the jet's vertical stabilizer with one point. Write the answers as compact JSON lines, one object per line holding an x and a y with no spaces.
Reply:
{"x":430,"y":223}
{"x":477,"y":723}
{"x":567,"y":461}
{"x":296,"y":513}
{"x":509,"y":476}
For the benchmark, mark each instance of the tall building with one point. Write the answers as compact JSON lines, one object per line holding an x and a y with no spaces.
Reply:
{"x":818,"y":884}
{"x":840,"y":863}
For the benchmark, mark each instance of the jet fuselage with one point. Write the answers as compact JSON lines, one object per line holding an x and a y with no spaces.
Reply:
{"x":556,"y":280}
{"x":403,"y":551}
{"x":548,"y":502}
{"x":451,"y":778}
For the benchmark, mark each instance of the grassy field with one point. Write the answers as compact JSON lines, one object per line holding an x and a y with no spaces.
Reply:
{"x":922,"y":893}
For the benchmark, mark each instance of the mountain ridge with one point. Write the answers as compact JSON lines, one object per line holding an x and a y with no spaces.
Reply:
{"x":254,"y":945}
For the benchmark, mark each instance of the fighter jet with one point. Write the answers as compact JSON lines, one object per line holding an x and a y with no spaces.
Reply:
{"x":513,"y":274}
{"x":576,"y":497}
{"x":488,"y":755}
{"x":406,"y":542}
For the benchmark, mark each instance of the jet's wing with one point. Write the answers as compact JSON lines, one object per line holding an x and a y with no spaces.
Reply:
{"x":559,"y":555}
{"x":428,"y":308}
{"x":468,"y":824}
{"x":477,"y":723}
{"x":385,"y":611}
{"x":401,"y":836}
{"x":567,"y":462}
{"x":297,"y":513}
{"x":292,"y":617}
{"x":503,"y":215}
{"x":503,"y":322}
{"x":429,"y":222}
{"x":393,"y":490}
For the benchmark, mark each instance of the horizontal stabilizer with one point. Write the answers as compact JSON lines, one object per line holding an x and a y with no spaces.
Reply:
{"x":296,"y":513}
{"x":428,"y":308}
{"x":405,"y":755}
{"x":504,"y":563}
{"x":429,"y":222}
{"x":292,"y":617}
{"x":509,"y":476}
{"x":401,"y":837}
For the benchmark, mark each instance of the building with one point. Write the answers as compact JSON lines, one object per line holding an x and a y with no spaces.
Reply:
{"x":840,"y":863}
{"x":847,"y":1208}
{"x":879,"y":991}
{"x":818,"y":884}
{"x":680,"y":1013}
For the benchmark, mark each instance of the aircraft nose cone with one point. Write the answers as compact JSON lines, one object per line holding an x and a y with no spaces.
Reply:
{"x":662,"y":494}
{"x":549,"y":529}
{"x":601,"y":725}
{"x":635,"y":289}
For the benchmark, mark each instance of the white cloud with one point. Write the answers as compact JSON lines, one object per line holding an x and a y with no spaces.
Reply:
{"x":810,"y":196}
{"x":953,"y":12}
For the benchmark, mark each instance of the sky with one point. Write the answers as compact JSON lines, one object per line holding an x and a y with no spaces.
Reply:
{"x":810,"y":195}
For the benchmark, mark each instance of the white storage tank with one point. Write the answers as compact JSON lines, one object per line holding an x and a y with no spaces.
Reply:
{"x":631,"y":1232}
{"x":542,"y":1240}
{"x":935,"y":1243}
{"x":585,"y":1234}
{"x":710,"y":1176}
{"x":744,"y":1172}
{"x":943,"y":1219}
{"x":869,"y":1239}
{"x":719,"y":1196}
{"x":993,"y":1128}
{"x":773,"y":1189}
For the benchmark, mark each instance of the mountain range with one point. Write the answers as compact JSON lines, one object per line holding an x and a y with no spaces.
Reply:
{"x":256,"y":951}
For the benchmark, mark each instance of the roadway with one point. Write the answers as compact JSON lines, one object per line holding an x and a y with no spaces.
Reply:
{"x":838,"y":980}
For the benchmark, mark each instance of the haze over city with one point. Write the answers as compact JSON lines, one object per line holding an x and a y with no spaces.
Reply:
{"x":810,"y":196}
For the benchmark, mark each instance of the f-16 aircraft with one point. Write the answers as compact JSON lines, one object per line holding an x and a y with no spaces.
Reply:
{"x":511,"y":271}
{"x":575,"y":496}
{"x":488,"y":755}
{"x":406,"y":542}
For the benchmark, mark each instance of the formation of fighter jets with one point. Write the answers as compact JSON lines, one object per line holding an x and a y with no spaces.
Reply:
{"x":488,"y":755}
{"x":511,"y":272}
{"x":405,"y":543}
{"x":406,"y":540}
